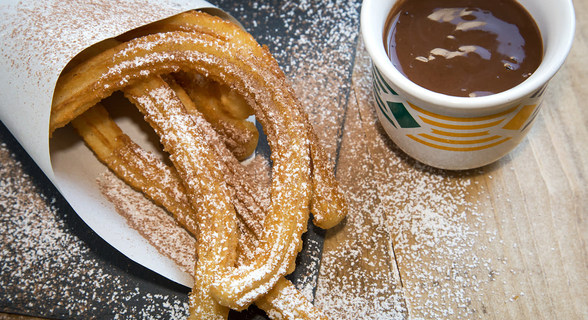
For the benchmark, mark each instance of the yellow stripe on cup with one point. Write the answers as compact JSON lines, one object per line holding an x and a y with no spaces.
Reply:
{"x":461,"y":126}
{"x":520,"y":118}
{"x":451,"y":141}
{"x":460,"y":134}
{"x":450,"y":148}
{"x":457,"y":119}
{"x":468,"y":134}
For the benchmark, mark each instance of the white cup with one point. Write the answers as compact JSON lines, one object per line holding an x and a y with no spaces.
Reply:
{"x":456,"y":133}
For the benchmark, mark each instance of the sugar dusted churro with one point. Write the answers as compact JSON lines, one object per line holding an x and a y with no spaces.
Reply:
{"x":301,"y":176}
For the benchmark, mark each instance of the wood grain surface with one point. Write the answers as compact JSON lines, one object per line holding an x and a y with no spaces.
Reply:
{"x":506,"y":241}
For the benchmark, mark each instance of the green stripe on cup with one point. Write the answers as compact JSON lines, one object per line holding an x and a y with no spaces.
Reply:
{"x":405,"y":120}
{"x":381,"y":106}
{"x":384,"y":82}
{"x":378,"y":83}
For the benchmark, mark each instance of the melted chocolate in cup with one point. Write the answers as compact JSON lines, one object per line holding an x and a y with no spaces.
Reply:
{"x":464,"y":48}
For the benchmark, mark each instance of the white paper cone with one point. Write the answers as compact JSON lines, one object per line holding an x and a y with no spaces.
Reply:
{"x":38,"y":39}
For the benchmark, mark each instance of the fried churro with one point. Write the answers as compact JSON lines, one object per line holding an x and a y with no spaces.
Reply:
{"x":224,"y":110}
{"x":145,"y":173}
{"x":328,"y":204}
{"x":246,"y":77}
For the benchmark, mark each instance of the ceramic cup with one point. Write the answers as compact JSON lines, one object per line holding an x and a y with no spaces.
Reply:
{"x":455,"y":133}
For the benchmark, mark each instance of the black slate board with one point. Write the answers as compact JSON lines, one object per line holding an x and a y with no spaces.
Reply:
{"x":60,"y":269}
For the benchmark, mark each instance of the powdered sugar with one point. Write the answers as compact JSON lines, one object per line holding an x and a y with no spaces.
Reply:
{"x":42,"y":258}
{"x":63,"y":29}
{"x":153,"y":222}
{"x":315,"y":45}
{"x":414,"y":241}
{"x":423,"y":211}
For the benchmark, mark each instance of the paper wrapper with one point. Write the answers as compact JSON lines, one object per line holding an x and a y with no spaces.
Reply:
{"x":39,"y":38}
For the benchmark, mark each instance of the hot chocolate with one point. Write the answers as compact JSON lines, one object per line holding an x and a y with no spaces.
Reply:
{"x":463,"y":47}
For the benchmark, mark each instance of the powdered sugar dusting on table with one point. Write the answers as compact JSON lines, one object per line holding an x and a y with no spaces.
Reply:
{"x":314,"y":42}
{"x":437,"y":250}
{"x":40,"y":255}
{"x":438,"y":237}
{"x":315,"y":45}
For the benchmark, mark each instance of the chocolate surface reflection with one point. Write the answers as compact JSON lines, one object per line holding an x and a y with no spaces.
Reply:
{"x":463,"y":47}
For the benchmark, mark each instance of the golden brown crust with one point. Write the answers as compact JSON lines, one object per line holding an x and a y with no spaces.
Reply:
{"x":224,"y":110}
{"x":197,"y":165}
{"x":246,"y":203}
{"x":146,"y":173}
{"x":225,"y":54}
{"x":286,"y":133}
{"x":328,"y":205}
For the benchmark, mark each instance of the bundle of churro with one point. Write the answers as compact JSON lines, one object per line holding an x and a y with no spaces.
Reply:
{"x":196,"y":79}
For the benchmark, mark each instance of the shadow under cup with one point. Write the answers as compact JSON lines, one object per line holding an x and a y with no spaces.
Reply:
{"x":458,"y":132}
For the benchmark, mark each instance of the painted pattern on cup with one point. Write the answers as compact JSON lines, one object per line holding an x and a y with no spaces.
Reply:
{"x":449,"y":133}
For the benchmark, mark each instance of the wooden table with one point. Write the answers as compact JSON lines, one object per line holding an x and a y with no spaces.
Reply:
{"x":506,"y":241}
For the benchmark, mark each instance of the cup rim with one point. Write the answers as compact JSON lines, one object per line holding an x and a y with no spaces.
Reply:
{"x":373,"y":40}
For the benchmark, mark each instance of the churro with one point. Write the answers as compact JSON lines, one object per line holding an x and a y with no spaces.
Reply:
{"x":198,"y":167}
{"x":301,"y":175}
{"x":328,"y":203}
{"x":144,"y":172}
{"x":118,"y":67}
{"x":136,"y":167}
{"x":224,"y":110}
